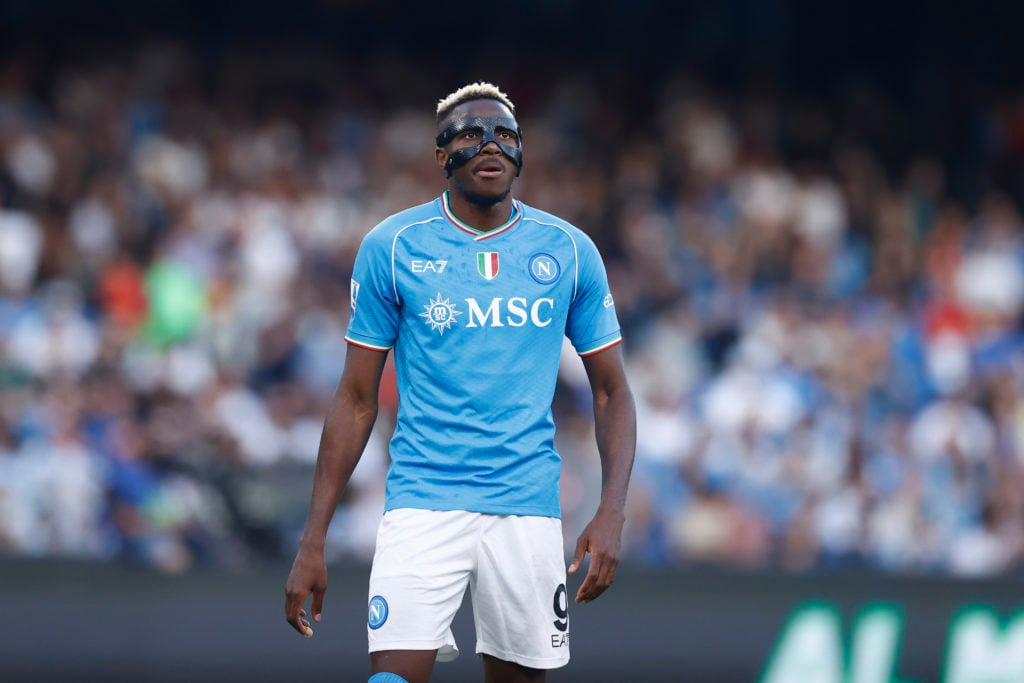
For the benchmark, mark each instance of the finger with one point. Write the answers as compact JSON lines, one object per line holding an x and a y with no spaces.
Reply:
{"x":585,"y":593}
{"x":608,"y":572}
{"x":301,"y":625}
{"x":586,"y":590}
{"x":602,"y":565}
{"x":318,"y":604}
{"x":294,"y":613}
{"x":292,"y":605}
{"x":305,"y":630}
{"x":599,"y":577}
{"x":591,"y":592}
{"x":608,"y":569}
{"x":581,"y":552}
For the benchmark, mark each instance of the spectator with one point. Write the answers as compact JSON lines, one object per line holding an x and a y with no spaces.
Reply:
{"x":825,"y":337}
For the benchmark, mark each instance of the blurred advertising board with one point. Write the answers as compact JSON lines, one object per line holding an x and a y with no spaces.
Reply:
{"x":86,"y":622}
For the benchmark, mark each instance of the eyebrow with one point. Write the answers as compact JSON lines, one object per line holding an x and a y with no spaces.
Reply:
{"x":458,"y":126}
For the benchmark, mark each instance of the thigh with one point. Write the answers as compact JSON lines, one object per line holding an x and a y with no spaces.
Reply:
{"x":415,"y":666}
{"x":420,"y":572}
{"x":520,"y":604}
{"x":499,"y":671}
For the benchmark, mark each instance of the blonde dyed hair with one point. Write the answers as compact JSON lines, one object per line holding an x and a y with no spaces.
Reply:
{"x":481,"y":90}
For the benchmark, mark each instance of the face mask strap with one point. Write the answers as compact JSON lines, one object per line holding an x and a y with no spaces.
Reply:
{"x":488,"y":126}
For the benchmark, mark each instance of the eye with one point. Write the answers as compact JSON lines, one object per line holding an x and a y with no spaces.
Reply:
{"x":471,"y":134}
{"x":506,"y":134}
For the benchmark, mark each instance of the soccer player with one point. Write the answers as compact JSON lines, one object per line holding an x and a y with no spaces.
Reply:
{"x":475,"y":292}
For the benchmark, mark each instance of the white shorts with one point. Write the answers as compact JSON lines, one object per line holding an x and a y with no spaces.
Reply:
{"x":515,"y":570}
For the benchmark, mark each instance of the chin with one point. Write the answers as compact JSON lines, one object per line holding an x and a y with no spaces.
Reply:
{"x":482,"y":199}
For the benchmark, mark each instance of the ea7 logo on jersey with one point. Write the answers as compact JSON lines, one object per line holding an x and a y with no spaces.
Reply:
{"x":423,"y":266}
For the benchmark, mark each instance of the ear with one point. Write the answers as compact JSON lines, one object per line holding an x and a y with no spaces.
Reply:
{"x":441,"y":156}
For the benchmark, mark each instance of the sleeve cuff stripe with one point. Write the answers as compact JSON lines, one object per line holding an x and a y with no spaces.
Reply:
{"x":602,"y":347}
{"x":367,"y":345}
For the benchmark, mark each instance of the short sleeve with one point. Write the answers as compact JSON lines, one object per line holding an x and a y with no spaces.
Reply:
{"x":373,"y":304}
{"x":592,"y":325}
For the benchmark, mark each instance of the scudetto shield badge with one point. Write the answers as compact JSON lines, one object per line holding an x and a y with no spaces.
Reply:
{"x":487,"y":264}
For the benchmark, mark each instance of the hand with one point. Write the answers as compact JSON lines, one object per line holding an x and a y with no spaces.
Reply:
{"x":308,"y":576}
{"x":602,"y":538}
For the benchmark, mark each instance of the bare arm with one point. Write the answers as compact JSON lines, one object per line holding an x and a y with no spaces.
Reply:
{"x":346,"y":431}
{"x":615,"y":427}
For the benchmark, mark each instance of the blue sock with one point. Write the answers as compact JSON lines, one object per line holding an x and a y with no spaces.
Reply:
{"x":386,"y":678}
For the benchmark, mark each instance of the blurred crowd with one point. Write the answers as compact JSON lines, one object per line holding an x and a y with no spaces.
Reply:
{"x":825,"y":343}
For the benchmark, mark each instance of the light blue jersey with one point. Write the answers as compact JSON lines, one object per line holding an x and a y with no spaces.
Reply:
{"x":477,"y":320}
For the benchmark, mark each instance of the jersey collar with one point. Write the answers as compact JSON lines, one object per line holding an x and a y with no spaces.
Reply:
{"x":480,"y":235}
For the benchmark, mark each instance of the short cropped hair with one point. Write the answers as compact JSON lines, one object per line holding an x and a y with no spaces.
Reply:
{"x":480,"y":90}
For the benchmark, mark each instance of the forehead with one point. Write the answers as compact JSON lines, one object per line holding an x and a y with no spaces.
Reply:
{"x":483,"y":107}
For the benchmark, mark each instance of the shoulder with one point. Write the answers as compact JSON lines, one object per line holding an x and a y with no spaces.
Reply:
{"x":385,"y":232}
{"x":578,"y":237}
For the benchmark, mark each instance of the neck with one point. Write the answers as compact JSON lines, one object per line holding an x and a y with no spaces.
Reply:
{"x":483,"y":217}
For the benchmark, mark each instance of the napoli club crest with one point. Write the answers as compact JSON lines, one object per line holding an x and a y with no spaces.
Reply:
{"x":377,"y":612}
{"x":544,"y":268}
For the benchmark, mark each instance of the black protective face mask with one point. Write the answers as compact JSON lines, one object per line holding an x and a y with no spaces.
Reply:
{"x":488,"y":127}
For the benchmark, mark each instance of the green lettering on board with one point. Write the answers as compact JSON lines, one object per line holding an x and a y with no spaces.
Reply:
{"x":810,"y":648}
{"x":981,"y":651}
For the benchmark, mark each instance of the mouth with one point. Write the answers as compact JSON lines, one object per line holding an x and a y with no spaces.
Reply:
{"x":489,"y":169}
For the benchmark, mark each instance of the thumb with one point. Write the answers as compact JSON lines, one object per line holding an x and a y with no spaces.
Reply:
{"x":317,"y":605}
{"x":581,"y":550}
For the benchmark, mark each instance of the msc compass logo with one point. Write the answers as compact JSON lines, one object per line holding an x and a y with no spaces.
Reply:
{"x":377,"y":612}
{"x":440,"y":314}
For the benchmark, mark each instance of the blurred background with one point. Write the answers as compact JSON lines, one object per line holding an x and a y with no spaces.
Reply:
{"x":811,"y":219}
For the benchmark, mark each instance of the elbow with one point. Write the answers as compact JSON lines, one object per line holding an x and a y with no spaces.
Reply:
{"x":359,"y":402}
{"x":365,"y":406}
{"x":618,"y":398}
